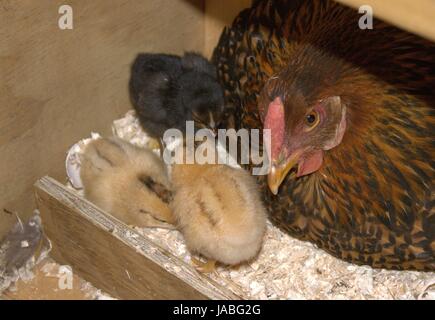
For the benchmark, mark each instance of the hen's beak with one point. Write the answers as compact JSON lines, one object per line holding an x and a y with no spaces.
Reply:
{"x":278,"y":172}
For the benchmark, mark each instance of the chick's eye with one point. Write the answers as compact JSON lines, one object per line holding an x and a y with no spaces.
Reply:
{"x":312,"y":119}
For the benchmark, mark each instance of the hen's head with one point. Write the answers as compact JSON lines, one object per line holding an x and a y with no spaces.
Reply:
{"x":303,"y":123}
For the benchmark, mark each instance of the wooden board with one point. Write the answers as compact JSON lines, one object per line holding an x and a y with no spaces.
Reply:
{"x":112,"y":256}
{"x":416,"y":16}
{"x":59,"y":85}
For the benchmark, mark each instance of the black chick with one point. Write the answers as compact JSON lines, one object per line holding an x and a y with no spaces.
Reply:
{"x":167,"y":90}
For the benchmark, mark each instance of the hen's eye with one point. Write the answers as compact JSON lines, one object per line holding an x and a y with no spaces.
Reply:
{"x":312,"y":119}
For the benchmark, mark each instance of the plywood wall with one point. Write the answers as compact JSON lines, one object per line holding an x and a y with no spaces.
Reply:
{"x":218,"y":14}
{"x":56,"y":86}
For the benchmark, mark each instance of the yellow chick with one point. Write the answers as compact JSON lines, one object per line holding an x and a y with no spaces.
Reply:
{"x":219,"y":212}
{"x":128,"y":182}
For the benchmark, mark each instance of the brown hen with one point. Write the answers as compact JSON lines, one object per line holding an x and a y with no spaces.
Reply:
{"x":352,"y":118}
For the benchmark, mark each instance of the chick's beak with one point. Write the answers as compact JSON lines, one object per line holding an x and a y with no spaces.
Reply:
{"x":279,"y":171}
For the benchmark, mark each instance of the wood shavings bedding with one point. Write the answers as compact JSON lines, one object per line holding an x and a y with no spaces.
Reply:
{"x":287,"y":268}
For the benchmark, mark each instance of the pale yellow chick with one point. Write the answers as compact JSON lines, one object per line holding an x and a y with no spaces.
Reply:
{"x":129,"y":182}
{"x":219,"y":212}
